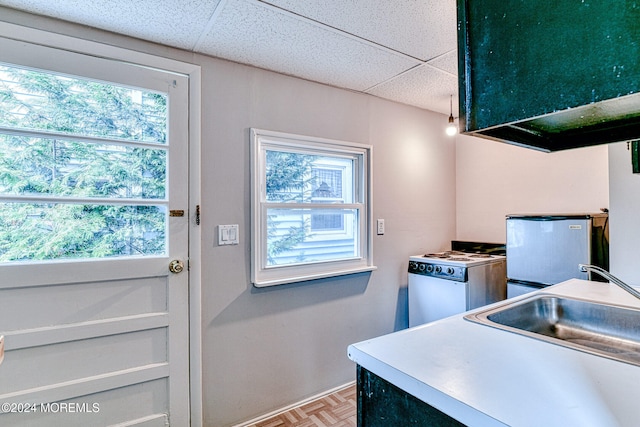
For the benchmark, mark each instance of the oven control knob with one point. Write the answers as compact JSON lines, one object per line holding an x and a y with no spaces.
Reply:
{"x":438,"y":269}
{"x":413,"y":266}
{"x":429,"y":268}
{"x":449,"y":270}
{"x":421,"y":267}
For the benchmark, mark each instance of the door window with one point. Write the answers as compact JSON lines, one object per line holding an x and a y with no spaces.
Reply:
{"x":83,"y":167}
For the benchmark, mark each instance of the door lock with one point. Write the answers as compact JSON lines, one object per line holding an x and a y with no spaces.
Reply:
{"x":176,"y":266}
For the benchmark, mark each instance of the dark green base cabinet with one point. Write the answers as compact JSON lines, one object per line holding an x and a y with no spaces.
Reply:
{"x":382,"y":404}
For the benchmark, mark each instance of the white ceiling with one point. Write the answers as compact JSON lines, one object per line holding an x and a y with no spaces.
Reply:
{"x":403,"y":50}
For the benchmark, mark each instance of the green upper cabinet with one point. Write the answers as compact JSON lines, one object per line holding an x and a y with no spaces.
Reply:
{"x":550,"y":75}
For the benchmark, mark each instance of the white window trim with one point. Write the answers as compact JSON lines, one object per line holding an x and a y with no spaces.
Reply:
{"x":261,"y":276}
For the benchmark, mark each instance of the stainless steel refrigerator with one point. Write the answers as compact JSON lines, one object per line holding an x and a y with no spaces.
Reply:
{"x":543,"y":250}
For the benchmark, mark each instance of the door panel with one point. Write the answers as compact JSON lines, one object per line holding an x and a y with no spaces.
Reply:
{"x":101,"y":341}
{"x":139,"y":405}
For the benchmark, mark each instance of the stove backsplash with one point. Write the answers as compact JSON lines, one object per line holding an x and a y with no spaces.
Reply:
{"x":479,"y":247}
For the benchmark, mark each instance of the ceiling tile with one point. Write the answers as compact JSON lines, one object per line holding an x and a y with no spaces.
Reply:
{"x":176,"y":23}
{"x":254,"y":33}
{"x":423,"y":29}
{"x":424,"y":87}
{"x":447,"y":62}
{"x":375,"y":46}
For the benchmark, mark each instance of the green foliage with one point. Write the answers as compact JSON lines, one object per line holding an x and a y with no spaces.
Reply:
{"x":279,"y":242}
{"x":287,"y":176}
{"x":75,"y":169}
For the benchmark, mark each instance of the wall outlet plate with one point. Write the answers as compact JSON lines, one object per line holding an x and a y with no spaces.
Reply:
{"x":380,"y":225}
{"x":228,"y":235}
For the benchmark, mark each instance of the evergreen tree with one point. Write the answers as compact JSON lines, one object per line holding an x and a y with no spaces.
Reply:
{"x":32,"y":164}
{"x":287,"y":177}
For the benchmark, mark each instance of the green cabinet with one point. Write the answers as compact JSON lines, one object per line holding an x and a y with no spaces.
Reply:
{"x":550,"y":75}
{"x":382,"y":404}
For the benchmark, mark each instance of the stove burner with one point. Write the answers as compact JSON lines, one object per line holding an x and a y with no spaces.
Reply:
{"x":441,"y":256}
{"x":480,"y":256}
{"x":458,"y":256}
{"x":455,"y":253}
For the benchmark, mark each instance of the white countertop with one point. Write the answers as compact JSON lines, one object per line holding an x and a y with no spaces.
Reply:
{"x":483,"y":376}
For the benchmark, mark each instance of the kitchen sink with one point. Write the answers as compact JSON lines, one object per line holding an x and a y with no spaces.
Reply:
{"x":605,"y":330}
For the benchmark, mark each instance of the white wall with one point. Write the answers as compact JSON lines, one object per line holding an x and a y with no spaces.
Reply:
{"x":267,"y":348}
{"x":624,"y":234}
{"x":494,"y":179}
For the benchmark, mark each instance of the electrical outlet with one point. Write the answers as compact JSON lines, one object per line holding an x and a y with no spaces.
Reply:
{"x":380,"y":224}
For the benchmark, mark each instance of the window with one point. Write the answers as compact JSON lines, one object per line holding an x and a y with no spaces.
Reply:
{"x":82,"y":167}
{"x":310,"y":208}
{"x":327,"y":188}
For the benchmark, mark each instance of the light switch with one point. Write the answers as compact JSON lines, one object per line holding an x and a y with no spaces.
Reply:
{"x":380,"y":225}
{"x":228,"y":234}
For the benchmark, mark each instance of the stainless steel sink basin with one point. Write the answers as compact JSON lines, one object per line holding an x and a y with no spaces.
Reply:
{"x":605,"y":330}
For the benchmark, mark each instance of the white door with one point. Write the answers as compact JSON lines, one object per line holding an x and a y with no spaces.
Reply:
{"x":95,"y":324}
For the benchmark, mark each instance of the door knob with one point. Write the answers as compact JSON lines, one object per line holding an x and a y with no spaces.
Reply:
{"x":176,"y":266}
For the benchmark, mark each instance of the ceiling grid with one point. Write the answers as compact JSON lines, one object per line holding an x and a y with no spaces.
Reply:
{"x":402,"y":50}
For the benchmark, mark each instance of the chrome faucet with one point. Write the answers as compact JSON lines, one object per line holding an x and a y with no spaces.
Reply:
{"x":613,"y":279}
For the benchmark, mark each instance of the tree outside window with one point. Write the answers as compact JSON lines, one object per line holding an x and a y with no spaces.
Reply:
{"x":81,"y":164}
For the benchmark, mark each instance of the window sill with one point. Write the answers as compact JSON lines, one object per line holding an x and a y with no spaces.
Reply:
{"x":304,"y":278}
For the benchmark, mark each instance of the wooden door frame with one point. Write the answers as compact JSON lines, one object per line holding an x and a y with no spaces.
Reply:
{"x":193,"y":71}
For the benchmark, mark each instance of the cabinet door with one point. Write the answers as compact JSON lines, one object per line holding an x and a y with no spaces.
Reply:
{"x":551,"y":75}
{"x":382,"y":404}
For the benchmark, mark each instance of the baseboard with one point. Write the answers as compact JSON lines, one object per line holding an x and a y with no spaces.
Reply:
{"x":294,"y":405}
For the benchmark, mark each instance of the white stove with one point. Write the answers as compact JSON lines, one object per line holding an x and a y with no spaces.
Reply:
{"x":442,"y":284}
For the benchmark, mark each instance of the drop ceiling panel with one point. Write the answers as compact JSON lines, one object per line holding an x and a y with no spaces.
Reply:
{"x":447,"y":62}
{"x":403,"y":50}
{"x":423,"y":29}
{"x":174,"y":23}
{"x":258,"y":34}
{"x":426,"y":87}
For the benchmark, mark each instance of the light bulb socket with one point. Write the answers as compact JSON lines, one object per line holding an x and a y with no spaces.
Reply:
{"x":451,"y":127}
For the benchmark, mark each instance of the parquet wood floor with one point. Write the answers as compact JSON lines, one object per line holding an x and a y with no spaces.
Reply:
{"x":337,"y":409}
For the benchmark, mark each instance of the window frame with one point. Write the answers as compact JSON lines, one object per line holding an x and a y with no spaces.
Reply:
{"x":263,"y":275}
